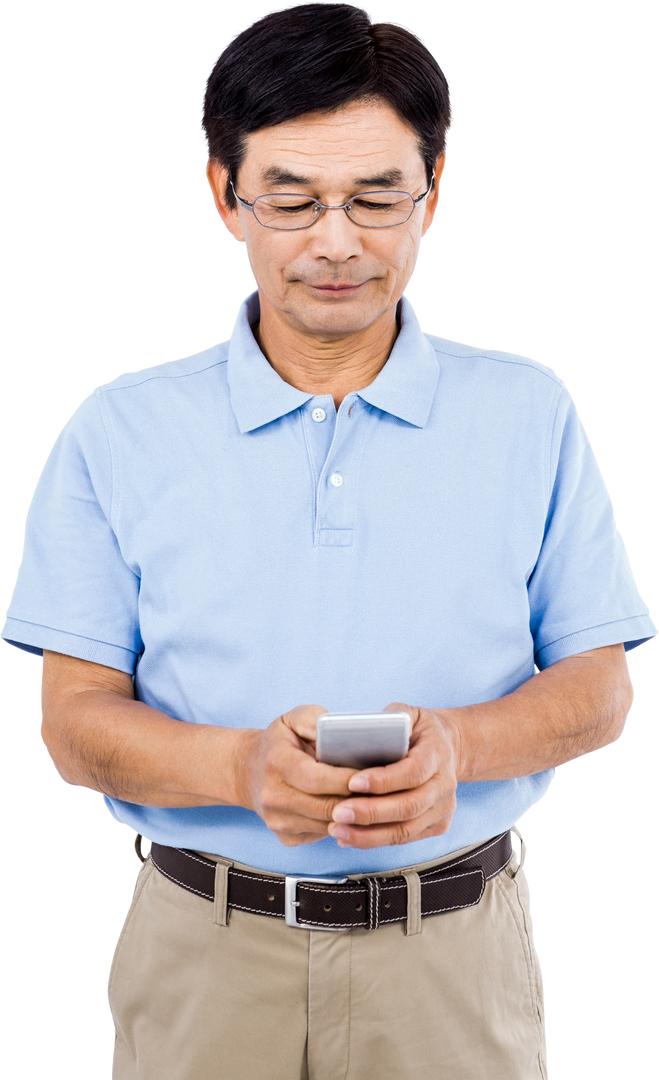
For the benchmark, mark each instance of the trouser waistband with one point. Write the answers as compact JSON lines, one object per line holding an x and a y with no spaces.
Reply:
{"x":338,"y":903}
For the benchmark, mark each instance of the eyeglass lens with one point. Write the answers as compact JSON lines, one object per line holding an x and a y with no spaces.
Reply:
{"x":373,"y":209}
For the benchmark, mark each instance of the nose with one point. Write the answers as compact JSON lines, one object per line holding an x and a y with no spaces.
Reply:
{"x":335,"y":237}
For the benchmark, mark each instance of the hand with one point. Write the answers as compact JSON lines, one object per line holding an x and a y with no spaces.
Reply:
{"x":410,"y":800}
{"x":278,"y":777}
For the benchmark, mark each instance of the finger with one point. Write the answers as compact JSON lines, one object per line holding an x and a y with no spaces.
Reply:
{"x":405,"y":806}
{"x":279,"y":799}
{"x":410,"y":772}
{"x":296,"y":818}
{"x":411,"y":710}
{"x":303,"y":773}
{"x":404,"y":832}
{"x":302,"y":720}
{"x":297,"y":839}
{"x":294,"y":829}
{"x":297,"y":833}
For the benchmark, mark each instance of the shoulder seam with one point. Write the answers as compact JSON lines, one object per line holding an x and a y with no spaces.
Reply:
{"x":150,"y":375}
{"x":483,"y":352}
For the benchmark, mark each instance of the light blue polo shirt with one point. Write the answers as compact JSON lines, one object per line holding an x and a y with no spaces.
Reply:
{"x":243,"y":548}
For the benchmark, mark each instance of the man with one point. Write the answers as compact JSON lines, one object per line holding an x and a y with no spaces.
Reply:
{"x":332,"y":507}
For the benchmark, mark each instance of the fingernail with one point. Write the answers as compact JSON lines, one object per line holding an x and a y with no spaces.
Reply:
{"x":359,"y":783}
{"x":344,"y":814}
{"x":339,"y":833}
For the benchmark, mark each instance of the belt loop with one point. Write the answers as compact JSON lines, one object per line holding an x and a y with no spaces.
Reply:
{"x":522,"y":853}
{"x":139,"y":848}
{"x":374,"y":889}
{"x":413,"y":924}
{"x":220,"y":907}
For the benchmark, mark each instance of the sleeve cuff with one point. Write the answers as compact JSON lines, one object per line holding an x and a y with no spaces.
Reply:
{"x":630,"y":632}
{"x":34,"y":638}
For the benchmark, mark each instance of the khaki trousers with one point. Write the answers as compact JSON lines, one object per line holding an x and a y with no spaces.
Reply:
{"x":258,"y":1000}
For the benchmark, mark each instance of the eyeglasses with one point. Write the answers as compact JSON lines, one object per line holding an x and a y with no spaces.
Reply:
{"x":370,"y":210}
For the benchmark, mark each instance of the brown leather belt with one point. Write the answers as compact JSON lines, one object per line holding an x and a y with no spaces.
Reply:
{"x":340,"y":903}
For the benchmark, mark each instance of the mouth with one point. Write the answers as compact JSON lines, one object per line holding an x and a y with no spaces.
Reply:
{"x":332,"y":289}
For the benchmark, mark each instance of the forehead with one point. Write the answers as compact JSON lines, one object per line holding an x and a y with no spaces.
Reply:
{"x":361,"y":138}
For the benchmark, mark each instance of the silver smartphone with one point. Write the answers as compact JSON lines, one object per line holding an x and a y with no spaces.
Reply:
{"x":361,"y":740}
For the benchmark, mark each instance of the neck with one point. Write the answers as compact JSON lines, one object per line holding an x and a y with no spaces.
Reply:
{"x":331,"y":364}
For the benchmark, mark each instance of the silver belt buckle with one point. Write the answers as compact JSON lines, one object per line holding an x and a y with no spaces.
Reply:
{"x":291,"y":903}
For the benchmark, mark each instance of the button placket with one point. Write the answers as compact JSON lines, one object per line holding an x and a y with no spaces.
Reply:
{"x":318,"y":433}
{"x":336,"y":502}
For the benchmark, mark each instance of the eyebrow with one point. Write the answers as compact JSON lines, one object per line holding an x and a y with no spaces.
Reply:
{"x":274,"y":175}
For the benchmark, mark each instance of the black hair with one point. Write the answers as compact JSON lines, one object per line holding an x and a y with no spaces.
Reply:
{"x":320,"y":57}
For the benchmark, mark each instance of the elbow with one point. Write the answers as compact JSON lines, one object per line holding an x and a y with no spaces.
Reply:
{"x":628,"y":701}
{"x":623,"y":697}
{"x":621,"y":700}
{"x":56,"y":755}
{"x":617,"y":732}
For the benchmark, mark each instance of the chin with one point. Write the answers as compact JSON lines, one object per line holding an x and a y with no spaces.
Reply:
{"x":339,"y":323}
{"x":341,"y":316}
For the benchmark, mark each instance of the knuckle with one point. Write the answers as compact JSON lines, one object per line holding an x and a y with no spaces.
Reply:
{"x":417,"y":772}
{"x":446,"y":803}
{"x":272,"y":799}
{"x":285,"y":839}
{"x":290,"y":831}
{"x":378,"y":782}
{"x":415,"y":806}
{"x":326,"y":808}
{"x":277,"y":823}
{"x":310,"y":777}
{"x":440,"y":824}
{"x":403,"y":833}
{"x":271,"y":770}
{"x":438,"y":829}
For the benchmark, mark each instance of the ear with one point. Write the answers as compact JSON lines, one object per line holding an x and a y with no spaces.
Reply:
{"x":431,"y":200}
{"x":218,"y":178}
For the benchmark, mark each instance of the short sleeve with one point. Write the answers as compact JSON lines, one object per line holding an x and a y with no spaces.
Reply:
{"x":582,"y":594}
{"x":75,"y":594}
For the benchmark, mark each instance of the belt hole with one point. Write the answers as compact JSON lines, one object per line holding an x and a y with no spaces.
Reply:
{"x":270,"y":896}
{"x":328,"y":907}
{"x":387,"y":903}
{"x":358,"y":907}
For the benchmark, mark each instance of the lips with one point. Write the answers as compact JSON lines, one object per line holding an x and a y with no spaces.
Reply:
{"x":348,"y":287}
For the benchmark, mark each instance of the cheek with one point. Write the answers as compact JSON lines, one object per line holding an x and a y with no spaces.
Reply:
{"x":395,"y":252}
{"x":275,"y":252}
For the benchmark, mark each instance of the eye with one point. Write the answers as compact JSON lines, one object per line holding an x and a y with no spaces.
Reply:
{"x":295,"y":209}
{"x":287,"y":204}
{"x":372,"y":204}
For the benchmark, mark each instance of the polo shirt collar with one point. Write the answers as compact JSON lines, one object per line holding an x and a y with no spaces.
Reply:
{"x":405,"y":387}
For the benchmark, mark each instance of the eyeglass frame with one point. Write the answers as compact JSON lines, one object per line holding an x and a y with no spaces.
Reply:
{"x":342,"y":206}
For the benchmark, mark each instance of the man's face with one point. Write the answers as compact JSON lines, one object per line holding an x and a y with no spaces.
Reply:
{"x":333,"y":278}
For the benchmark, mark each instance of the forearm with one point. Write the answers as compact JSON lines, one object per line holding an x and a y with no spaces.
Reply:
{"x":577,"y":705}
{"x":100,"y":737}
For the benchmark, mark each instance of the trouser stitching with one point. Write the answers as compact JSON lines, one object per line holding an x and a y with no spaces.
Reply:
{"x":525,"y":943}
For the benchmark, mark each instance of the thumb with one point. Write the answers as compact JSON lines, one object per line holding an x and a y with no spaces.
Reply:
{"x":397,"y":706}
{"x":302,"y":720}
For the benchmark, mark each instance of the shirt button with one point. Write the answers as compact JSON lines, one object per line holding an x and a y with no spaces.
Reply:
{"x":336,"y":480}
{"x":318,"y":415}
